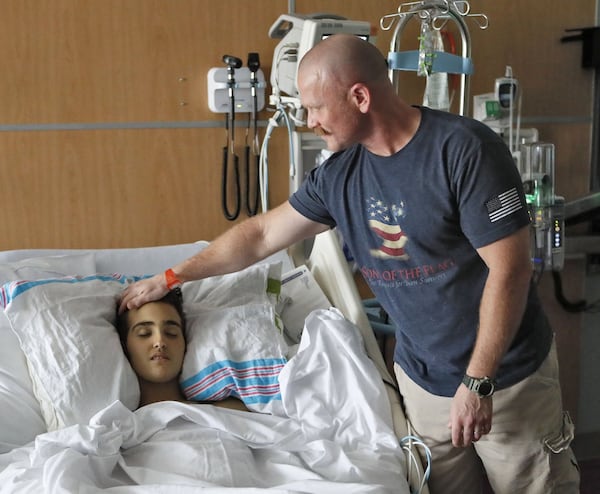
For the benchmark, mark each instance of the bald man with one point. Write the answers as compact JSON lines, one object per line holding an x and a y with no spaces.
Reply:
{"x":432,"y":209}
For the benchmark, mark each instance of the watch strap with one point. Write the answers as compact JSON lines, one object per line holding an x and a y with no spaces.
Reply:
{"x":482,"y":386}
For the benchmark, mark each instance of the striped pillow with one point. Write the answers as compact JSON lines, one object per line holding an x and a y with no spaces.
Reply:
{"x":235,"y":343}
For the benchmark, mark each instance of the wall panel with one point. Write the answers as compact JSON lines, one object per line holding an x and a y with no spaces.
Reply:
{"x":109,"y":64}
{"x":113,"y":187}
{"x":112,"y":61}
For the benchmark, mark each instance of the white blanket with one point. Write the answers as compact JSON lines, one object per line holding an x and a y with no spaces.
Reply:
{"x":334,"y":436}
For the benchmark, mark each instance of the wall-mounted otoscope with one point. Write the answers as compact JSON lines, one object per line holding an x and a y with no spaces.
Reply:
{"x":232,"y":90}
{"x":229,"y":148}
{"x":232,"y":64}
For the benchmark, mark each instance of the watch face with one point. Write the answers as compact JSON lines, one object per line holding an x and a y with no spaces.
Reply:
{"x":485,"y":388}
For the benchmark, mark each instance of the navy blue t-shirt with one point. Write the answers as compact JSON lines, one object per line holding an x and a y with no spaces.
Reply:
{"x":413,"y":221}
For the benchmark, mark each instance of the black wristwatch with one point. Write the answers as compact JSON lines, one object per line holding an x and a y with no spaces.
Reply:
{"x":483,"y":386}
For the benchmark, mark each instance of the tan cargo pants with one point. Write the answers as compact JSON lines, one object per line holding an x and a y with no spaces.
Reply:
{"x":527,"y":450}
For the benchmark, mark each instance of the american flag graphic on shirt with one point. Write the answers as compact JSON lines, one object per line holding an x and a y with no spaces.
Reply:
{"x":504,"y":204}
{"x":383,"y":221}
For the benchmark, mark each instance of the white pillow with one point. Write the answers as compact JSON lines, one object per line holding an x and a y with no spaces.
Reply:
{"x":235,"y":341}
{"x":21,"y":417}
{"x":66,"y":330}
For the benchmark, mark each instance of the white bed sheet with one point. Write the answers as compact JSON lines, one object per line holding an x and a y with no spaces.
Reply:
{"x":336,"y":435}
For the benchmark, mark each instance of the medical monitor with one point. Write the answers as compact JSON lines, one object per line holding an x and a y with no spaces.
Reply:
{"x":298,"y":35}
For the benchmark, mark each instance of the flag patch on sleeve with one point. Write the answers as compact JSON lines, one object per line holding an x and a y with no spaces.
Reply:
{"x":504,"y":204}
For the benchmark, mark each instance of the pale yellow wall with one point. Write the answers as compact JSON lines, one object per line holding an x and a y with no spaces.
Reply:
{"x":128,"y":63}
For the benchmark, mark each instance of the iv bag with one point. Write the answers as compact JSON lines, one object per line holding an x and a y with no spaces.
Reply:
{"x":436,"y":87}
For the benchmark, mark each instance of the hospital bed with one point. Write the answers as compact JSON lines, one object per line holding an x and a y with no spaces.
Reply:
{"x":336,"y":423}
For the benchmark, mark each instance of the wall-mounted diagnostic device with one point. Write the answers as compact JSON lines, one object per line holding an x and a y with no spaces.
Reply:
{"x":246,"y":83}
{"x":236,"y":89}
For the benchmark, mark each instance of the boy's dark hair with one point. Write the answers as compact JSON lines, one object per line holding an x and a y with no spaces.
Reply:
{"x":173,"y":298}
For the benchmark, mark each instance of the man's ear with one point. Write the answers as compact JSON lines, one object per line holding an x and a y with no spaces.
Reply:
{"x":361,"y":97}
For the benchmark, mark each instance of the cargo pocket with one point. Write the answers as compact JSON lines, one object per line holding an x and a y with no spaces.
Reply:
{"x":559,"y":442}
{"x":564,"y":470}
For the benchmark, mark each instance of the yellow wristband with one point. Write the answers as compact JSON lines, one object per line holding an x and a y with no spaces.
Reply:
{"x":172,"y":280}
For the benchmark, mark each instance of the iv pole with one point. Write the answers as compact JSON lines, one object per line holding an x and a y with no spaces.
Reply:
{"x":462,"y":65}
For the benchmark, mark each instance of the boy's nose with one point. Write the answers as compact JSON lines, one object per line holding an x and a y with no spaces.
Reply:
{"x":159,"y":343}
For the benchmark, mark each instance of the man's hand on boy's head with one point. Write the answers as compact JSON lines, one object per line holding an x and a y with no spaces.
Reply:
{"x":143,"y":291}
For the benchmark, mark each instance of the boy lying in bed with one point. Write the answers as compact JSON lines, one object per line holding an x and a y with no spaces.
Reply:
{"x":153,"y":339}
